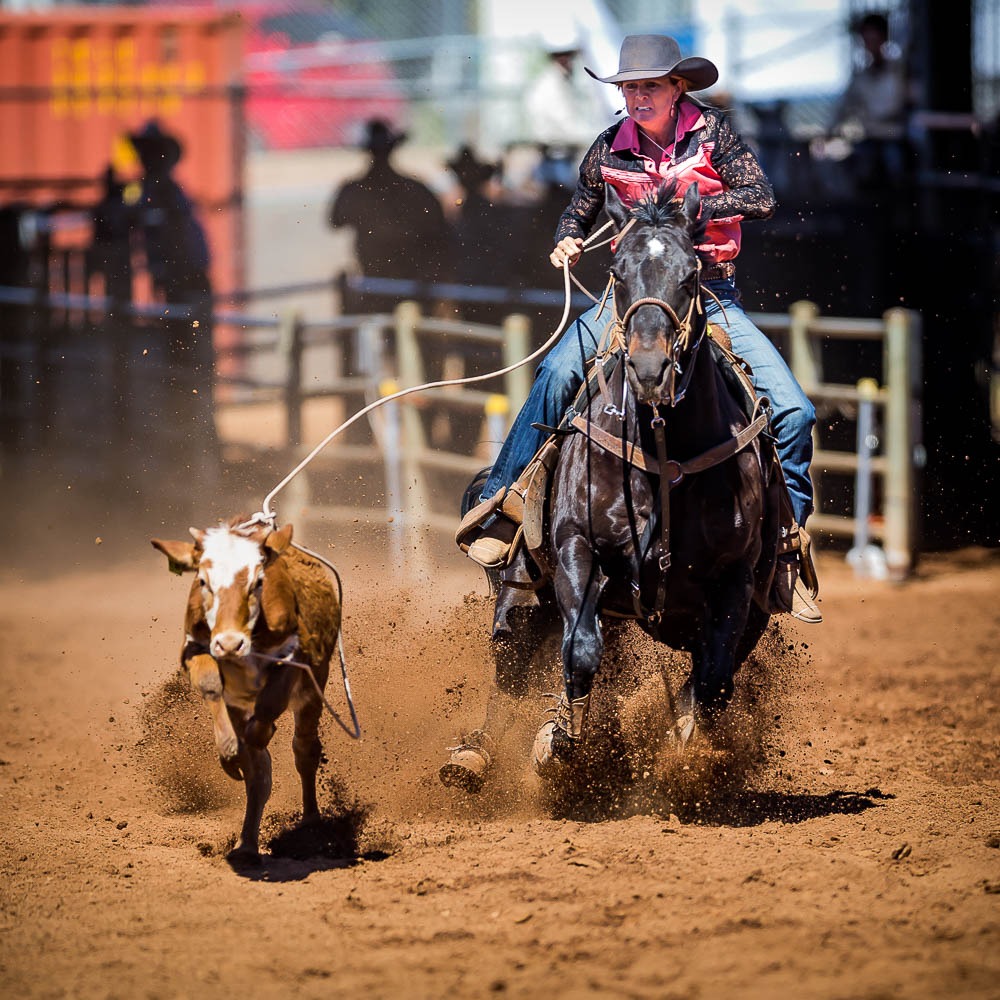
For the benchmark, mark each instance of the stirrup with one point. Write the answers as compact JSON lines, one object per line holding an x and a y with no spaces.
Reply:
{"x":796,"y":584}
{"x":490,"y":532}
{"x":803,"y":607}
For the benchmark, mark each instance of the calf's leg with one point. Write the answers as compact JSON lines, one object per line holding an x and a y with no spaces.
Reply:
{"x":255,"y":763}
{"x":207,"y":681}
{"x":308,"y":751}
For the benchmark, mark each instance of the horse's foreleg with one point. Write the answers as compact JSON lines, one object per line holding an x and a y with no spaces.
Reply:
{"x":513,"y":645}
{"x":578,"y":585}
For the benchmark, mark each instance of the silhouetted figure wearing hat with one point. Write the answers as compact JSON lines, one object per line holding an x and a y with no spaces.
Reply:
{"x":178,"y":260}
{"x":174,"y":241}
{"x":479,"y":242}
{"x":399,"y":225}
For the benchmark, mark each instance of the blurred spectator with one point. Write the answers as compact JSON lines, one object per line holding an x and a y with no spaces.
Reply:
{"x":873,"y":109}
{"x":177,"y":257}
{"x":174,"y":241}
{"x":110,"y":252}
{"x":399,"y":225}
{"x":474,"y":244}
{"x":564,"y":111}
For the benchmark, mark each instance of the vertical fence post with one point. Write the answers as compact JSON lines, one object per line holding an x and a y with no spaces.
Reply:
{"x":516,"y":347}
{"x":803,"y":356}
{"x":497,"y":411}
{"x":412,"y":438}
{"x":805,"y":362}
{"x":867,"y":560}
{"x":392,"y":465}
{"x":902,"y":363}
{"x":290,"y":348}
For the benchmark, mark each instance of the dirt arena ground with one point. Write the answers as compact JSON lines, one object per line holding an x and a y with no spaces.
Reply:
{"x":849,"y":848}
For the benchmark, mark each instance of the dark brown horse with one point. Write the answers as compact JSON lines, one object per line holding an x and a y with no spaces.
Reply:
{"x":663,"y":507}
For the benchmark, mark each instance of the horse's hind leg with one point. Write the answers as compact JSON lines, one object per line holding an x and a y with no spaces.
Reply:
{"x":513,"y":646}
{"x":714,"y":656}
{"x":578,"y":586}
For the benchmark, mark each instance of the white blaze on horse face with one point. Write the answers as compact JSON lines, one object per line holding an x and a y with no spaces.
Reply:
{"x":229,"y":570}
{"x":655,"y":248}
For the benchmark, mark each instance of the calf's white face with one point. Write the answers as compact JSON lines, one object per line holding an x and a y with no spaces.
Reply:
{"x":230,"y":577}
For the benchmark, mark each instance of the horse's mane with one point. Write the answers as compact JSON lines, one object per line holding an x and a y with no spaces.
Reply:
{"x":662,"y":207}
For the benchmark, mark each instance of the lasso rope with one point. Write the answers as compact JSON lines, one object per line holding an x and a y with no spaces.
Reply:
{"x":267,"y":518}
{"x":364,"y":411}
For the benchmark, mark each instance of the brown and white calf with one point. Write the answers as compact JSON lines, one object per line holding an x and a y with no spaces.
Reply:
{"x":257,"y":603}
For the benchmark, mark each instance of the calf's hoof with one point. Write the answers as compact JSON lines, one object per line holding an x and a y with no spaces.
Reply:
{"x":469,"y":762}
{"x":244,"y":857}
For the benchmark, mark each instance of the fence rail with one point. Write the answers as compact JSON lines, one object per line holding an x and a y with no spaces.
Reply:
{"x":425,"y":446}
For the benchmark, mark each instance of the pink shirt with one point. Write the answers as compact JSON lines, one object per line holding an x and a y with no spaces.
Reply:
{"x":722,"y":236}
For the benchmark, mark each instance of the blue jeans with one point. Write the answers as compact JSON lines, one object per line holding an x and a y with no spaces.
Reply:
{"x":559,"y":376}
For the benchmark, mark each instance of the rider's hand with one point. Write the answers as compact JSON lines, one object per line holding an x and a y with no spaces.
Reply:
{"x":568,"y":248}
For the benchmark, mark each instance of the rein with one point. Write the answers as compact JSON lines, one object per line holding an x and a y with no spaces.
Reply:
{"x":669,"y":471}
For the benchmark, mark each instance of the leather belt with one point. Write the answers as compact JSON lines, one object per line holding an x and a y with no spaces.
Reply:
{"x":722,"y":271}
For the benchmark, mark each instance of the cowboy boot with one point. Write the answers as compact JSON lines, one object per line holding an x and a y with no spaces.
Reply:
{"x":489,"y":531}
{"x":558,"y":737}
{"x":469,"y":761}
{"x":795,"y":582}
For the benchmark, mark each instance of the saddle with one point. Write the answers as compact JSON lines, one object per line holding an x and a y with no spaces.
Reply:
{"x":525,"y":504}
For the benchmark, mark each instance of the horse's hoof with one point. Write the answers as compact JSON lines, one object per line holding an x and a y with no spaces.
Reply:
{"x":231,"y":765}
{"x":552,"y":751}
{"x":468,"y":764}
{"x":685,"y":730}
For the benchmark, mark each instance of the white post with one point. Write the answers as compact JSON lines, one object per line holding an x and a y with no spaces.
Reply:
{"x":868,"y":560}
{"x":902,"y":365}
{"x":516,"y":347}
{"x":392,"y":462}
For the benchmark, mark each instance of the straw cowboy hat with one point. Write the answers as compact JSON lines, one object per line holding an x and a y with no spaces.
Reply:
{"x":646,"y":57}
{"x":154,"y":147}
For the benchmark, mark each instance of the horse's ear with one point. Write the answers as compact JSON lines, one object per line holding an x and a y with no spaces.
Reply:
{"x":615,"y":207}
{"x":691,"y":206}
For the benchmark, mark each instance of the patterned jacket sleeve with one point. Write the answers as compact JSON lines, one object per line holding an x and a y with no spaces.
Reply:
{"x":588,"y":198}
{"x":749,"y":194}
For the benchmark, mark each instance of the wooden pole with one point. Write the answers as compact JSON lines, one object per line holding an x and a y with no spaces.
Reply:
{"x":516,"y":347}
{"x":902,"y":415}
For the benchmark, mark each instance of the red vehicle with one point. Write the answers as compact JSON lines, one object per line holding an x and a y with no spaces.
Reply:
{"x":313,"y":78}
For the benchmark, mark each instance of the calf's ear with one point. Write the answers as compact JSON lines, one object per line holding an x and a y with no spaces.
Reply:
{"x":182,"y":557}
{"x":278,"y":541}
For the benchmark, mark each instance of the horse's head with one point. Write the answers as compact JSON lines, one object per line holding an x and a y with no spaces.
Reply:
{"x":656,"y":287}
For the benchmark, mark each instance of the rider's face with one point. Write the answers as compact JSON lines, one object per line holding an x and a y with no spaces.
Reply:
{"x":650,"y":103}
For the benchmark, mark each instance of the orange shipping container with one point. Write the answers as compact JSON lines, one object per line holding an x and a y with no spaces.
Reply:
{"x":75,"y":82}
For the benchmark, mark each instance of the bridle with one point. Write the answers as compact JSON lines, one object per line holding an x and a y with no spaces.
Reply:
{"x":687,"y":332}
{"x":683,"y":332}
